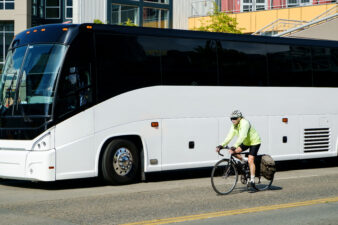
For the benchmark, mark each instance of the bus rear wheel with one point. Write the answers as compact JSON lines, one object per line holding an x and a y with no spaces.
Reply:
{"x":120,"y":162}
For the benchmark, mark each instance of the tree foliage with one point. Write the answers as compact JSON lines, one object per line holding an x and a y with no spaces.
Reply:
{"x":130,"y":23}
{"x":220,"y":22}
{"x":97,"y":21}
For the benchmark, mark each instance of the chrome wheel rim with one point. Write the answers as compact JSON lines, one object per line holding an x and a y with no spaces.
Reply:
{"x":123,"y":161}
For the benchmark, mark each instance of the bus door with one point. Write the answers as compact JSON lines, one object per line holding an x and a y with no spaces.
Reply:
{"x":74,"y":133}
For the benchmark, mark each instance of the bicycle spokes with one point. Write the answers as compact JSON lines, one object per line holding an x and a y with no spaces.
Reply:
{"x":224,"y":177}
{"x":262,"y":183}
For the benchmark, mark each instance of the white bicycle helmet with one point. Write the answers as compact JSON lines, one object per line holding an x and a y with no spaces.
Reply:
{"x":236,"y":113}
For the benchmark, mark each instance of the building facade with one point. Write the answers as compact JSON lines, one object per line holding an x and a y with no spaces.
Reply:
{"x":236,"y":6}
{"x":51,"y":11}
{"x":14,"y":17}
{"x":18,"y":15}
{"x":145,"y":13}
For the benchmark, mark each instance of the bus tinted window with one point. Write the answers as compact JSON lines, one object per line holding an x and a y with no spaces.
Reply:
{"x":289,"y":66}
{"x":188,"y":61}
{"x":334,"y":61}
{"x":126,"y":63}
{"x":323,"y":63}
{"x":242,"y":64}
{"x":75,"y":90}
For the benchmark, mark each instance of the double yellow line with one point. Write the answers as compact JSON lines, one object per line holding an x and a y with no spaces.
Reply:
{"x":234,"y":212}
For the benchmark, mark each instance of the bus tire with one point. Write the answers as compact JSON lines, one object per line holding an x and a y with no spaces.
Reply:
{"x":120,"y":162}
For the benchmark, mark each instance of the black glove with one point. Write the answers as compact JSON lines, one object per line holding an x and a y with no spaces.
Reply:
{"x":220,"y":147}
{"x":233,"y":148}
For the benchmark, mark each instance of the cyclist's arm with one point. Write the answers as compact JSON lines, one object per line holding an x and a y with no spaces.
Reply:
{"x":229,"y":137}
{"x":243,"y":133}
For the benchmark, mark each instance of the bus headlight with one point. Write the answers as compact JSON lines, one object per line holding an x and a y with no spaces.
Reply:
{"x":43,"y":143}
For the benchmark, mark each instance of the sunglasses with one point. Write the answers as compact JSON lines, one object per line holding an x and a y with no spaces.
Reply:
{"x":233,"y":118}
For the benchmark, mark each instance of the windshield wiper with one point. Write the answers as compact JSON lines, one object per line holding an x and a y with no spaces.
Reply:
{"x":9,"y":90}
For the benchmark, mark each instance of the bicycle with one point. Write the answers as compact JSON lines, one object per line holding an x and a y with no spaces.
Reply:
{"x":224,"y":175}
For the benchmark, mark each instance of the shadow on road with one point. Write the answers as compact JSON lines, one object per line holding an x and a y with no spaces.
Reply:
{"x":307,"y":164}
{"x":166,"y":176}
{"x":206,"y":172}
{"x":58,"y":185}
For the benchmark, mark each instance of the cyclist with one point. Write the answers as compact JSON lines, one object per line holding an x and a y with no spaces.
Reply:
{"x":247,"y":138}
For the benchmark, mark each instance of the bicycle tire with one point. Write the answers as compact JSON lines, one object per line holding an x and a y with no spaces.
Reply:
{"x":224,"y":177}
{"x":262,"y":183}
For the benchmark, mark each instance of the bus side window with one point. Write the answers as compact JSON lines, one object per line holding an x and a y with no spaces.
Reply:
{"x":75,"y":88}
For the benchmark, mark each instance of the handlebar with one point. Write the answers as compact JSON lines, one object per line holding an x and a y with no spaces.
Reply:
{"x":227,"y":148}
{"x":219,"y":152}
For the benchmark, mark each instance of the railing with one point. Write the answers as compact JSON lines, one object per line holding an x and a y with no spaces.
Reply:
{"x":281,"y":27}
{"x":331,"y":11}
{"x":306,"y":26}
{"x":203,"y":7}
{"x":298,"y":3}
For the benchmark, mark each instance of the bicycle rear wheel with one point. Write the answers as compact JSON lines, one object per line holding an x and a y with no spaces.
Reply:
{"x":224,"y":177}
{"x":262,"y":183}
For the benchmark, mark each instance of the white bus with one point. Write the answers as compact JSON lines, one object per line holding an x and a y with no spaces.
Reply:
{"x":119,"y":102}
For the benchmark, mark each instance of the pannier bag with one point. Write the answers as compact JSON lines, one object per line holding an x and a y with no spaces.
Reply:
{"x":268,"y":167}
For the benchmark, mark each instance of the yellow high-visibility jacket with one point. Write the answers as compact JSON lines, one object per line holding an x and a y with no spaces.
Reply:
{"x":245,"y":132}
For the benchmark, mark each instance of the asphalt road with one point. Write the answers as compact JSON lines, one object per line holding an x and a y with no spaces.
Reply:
{"x":174,"y":195}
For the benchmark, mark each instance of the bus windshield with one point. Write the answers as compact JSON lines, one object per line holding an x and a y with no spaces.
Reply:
{"x":29,"y":76}
{"x":28,"y":83}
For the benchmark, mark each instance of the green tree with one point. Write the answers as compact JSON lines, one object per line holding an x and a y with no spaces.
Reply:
{"x":97,"y":21}
{"x":220,"y":22}
{"x":130,"y":23}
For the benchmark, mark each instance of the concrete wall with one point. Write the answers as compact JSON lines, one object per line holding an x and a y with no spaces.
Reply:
{"x":85,"y":11}
{"x":20,"y":15}
{"x":183,"y":9}
{"x":181,"y":13}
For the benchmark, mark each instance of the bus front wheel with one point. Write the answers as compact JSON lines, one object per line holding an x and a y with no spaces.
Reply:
{"x":120,"y":162}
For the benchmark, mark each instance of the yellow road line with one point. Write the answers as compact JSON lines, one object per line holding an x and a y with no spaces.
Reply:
{"x":233,"y":212}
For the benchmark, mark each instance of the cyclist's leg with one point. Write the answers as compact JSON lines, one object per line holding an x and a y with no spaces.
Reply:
{"x":240,"y":149}
{"x":251,"y":159}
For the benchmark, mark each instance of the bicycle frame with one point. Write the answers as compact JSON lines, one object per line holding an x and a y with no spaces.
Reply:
{"x":229,"y":170}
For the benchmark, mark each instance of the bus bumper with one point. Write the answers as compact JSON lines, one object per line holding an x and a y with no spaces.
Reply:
{"x":27,"y":165}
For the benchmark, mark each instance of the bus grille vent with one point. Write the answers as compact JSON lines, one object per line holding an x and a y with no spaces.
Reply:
{"x":317,"y":139}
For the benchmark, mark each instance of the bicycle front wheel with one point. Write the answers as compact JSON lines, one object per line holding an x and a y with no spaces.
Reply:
{"x":224,"y":177}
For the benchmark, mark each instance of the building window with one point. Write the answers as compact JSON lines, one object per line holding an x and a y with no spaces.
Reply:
{"x":260,"y":5}
{"x":41,"y":9}
{"x":305,"y":2}
{"x":35,"y":7}
{"x":247,"y":6}
{"x":6,"y":37}
{"x":146,"y":13}
{"x":253,"y":5}
{"x":69,"y":9}
{"x":158,"y":1}
{"x":122,"y":13}
{"x":6,"y":4}
{"x":158,"y":18}
{"x":293,"y":3}
{"x":52,"y":9}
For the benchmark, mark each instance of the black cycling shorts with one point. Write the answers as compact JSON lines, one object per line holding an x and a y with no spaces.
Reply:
{"x":253,"y":149}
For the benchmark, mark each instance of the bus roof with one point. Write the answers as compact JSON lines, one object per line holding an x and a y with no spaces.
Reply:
{"x":65,"y":33}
